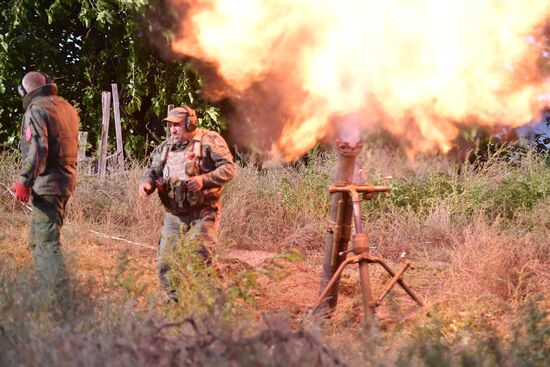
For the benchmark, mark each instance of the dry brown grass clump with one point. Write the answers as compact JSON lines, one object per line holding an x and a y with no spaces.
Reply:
{"x":279,"y":207}
{"x":114,"y":206}
{"x":500,"y":267}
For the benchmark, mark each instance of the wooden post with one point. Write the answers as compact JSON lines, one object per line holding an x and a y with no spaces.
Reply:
{"x":81,"y":160}
{"x":118,"y":129}
{"x":106,"y":104}
{"x":82,"y":145}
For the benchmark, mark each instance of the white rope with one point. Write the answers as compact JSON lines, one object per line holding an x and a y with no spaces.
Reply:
{"x":121,"y":239}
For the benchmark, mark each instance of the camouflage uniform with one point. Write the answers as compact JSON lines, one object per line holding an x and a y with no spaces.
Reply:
{"x":49,"y":146}
{"x":198,"y":216}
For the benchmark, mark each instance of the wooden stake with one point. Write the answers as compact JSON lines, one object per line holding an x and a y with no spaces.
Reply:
{"x":82,"y":145}
{"x":106,"y":105}
{"x":118,"y":129}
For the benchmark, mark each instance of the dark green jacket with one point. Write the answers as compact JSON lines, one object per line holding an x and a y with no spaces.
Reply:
{"x":49,"y":143}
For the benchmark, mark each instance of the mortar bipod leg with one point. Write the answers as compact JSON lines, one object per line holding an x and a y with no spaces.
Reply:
{"x":392,"y":282}
{"x":332,"y":280}
{"x":399,"y":281}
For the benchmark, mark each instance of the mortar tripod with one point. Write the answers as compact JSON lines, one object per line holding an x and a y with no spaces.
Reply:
{"x":361,"y":251}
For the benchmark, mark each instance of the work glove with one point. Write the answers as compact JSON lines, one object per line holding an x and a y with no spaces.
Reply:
{"x":22,"y":192}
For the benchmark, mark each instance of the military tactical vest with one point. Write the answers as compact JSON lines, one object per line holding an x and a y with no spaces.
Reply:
{"x":179,"y":166}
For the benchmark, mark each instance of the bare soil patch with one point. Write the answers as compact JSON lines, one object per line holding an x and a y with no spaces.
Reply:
{"x":293,"y":288}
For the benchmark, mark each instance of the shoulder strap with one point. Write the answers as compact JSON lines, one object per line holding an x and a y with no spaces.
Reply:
{"x":197,"y":143}
{"x":164,"y":154}
{"x":197,"y":148}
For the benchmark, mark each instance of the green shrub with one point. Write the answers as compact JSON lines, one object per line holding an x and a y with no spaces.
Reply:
{"x":421,"y":193}
{"x":500,"y":188}
{"x":505,"y":193}
{"x":531,"y":336}
{"x":478,"y":345}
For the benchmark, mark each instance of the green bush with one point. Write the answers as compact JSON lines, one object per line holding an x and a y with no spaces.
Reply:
{"x":499,"y":188}
{"x":504,"y":193}
{"x":421,"y":193}
{"x":478,"y":345}
{"x":531,"y":342}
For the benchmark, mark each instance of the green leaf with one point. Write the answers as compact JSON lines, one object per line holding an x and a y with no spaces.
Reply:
{"x":87,"y":45}
{"x":213,"y":114}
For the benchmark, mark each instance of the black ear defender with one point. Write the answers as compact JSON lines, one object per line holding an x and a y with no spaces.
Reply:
{"x":191,"y":122}
{"x":23,"y":92}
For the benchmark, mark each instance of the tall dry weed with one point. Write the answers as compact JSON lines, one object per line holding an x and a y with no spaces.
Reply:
{"x":115,"y":207}
{"x":380,"y":161}
{"x":278,"y":207}
{"x":113,"y":332}
{"x":402,"y":232}
{"x":488,"y":263}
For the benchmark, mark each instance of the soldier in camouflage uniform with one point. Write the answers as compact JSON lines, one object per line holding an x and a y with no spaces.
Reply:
{"x":49,"y":145}
{"x":189,"y":171}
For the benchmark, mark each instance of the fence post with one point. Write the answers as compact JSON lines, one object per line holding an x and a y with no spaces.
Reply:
{"x":118,"y":129}
{"x":82,"y":145}
{"x":106,"y":106}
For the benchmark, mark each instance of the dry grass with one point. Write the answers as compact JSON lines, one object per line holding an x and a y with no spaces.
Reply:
{"x":277,"y":208}
{"x":498,"y":266}
{"x":479,"y":238}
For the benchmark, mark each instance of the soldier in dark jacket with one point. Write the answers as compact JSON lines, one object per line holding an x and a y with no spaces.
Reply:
{"x":189,"y":171}
{"x":49,"y":145}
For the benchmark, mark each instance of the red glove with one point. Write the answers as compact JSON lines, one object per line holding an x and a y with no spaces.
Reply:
{"x":22,"y":192}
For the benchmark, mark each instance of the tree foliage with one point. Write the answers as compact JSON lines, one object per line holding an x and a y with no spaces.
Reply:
{"x":87,"y":45}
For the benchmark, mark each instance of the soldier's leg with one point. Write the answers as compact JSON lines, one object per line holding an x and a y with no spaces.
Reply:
{"x":44,"y":240}
{"x":206,"y":230}
{"x":172,"y":229}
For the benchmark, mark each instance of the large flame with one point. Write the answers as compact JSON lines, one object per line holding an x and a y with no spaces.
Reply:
{"x":417,"y":68}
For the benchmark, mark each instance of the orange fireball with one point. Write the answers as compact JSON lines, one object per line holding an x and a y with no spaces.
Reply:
{"x":415,"y":68}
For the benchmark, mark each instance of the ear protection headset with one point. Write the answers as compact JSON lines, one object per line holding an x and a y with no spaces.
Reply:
{"x":191,"y":122}
{"x":22,"y":91}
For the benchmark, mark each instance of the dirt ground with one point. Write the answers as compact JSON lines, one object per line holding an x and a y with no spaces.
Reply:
{"x":292,"y":288}
{"x":294,"y":291}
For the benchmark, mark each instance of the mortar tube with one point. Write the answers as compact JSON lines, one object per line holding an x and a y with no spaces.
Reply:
{"x":340,"y":223}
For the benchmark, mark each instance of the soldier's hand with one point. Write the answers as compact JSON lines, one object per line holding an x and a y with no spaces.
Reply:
{"x":195,"y":183}
{"x":145,"y":189}
{"x":22,"y":192}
